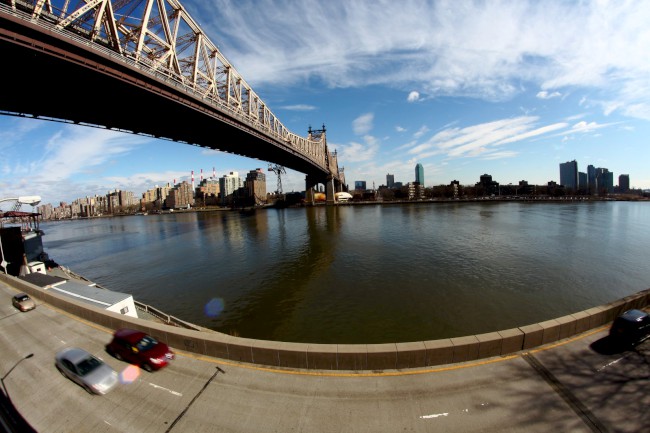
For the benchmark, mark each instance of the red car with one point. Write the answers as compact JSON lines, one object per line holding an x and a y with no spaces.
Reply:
{"x":140,"y":349}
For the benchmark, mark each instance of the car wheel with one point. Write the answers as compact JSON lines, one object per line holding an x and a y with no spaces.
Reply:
{"x":118,"y":356}
{"x":147,"y":367}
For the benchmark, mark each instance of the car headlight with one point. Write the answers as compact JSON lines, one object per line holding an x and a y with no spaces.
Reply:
{"x":100,"y":387}
{"x":156,"y":361}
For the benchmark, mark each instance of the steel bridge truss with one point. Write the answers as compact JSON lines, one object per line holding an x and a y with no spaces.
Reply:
{"x":162,"y":37}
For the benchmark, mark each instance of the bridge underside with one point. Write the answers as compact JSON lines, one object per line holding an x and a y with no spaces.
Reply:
{"x":41,"y":78}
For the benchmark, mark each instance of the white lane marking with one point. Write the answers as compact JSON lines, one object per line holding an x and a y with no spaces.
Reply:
{"x":612,"y":363}
{"x":107,"y":422}
{"x":434,"y":415}
{"x":166,"y":389}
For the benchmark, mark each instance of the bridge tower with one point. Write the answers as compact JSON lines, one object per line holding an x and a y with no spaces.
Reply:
{"x":331,"y":186}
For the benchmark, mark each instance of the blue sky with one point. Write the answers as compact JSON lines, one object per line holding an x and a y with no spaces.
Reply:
{"x":507,"y":88}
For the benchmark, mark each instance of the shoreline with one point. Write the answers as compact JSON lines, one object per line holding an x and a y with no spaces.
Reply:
{"x":495,"y":199}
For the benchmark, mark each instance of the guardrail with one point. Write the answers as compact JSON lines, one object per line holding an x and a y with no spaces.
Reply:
{"x":354,"y":357}
{"x":164,"y":317}
{"x":148,"y":309}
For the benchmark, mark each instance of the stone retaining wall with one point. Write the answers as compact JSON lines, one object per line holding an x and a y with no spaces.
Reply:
{"x":354,"y":357}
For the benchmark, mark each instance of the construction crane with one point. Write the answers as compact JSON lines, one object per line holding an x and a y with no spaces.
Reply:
{"x":279,"y":171}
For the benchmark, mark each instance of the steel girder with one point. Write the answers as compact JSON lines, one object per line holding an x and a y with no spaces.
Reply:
{"x":162,"y":36}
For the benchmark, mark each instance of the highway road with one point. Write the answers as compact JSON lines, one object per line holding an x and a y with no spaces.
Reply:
{"x":579,"y":385}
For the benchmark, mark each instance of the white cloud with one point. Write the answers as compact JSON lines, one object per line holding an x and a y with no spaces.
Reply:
{"x":357,"y":152}
{"x":446,"y":48}
{"x":400,"y":129}
{"x":413,"y":96}
{"x":546,"y":95}
{"x":363,"y":124}
{"x":81,"y":149}
{"x":482,"y":139}
{"x":71,"y":153}
{"x":299,"y":107}
{"x":500,"y":155}
{"x":420,"y":132}
{"x":534,"y":133}
{"x":583,"y":126}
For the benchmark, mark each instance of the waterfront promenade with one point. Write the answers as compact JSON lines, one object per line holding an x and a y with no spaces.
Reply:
{"x":578,"y":384}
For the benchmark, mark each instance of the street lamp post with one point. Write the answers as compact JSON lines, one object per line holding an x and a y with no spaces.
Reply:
{"x":2,"y":380}
{"x":4,"y":263}
{"x":10,"y":419}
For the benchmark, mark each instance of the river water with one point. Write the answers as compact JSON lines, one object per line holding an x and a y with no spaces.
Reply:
{"x":367,"y":273}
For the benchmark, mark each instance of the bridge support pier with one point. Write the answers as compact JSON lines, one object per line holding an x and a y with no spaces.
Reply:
{"x":329,"y":191}
{"x":310,"y":182}
{"x":309,"y":195}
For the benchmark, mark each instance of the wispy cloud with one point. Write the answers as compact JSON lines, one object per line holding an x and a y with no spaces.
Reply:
{"x":500,"y":155}
{"x":483,"y":139}
{"x":548,"y":95}
{"x":69,"y":153}
{"x":445,"y":48}
{"x":583,"y":126}
{"x":299,"y":107}
{"x":420,"y":132}
{"x":82,"y":149}
{"x":363,"y":124}
{"x":356,"y":152}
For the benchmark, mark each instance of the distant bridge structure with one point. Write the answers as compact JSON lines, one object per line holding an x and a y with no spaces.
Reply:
{"x":145,"y":67}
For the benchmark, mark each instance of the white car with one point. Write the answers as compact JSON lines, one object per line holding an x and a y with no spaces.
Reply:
{"x":87,"y":370}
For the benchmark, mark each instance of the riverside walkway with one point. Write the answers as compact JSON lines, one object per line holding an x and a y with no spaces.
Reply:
{"x":577,"y":384}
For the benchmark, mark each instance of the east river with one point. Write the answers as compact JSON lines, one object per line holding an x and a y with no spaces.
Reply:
{"x":367,"y":273}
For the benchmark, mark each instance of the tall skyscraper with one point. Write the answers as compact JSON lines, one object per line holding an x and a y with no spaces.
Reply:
{"x":569,"y":174}
{"x":583,"y":185}
{"x":624,"y":182}
{"x":591,"y":179}
{"x":419,"y":174}
{"x":390,"y":180}
{"x":604,"y":180}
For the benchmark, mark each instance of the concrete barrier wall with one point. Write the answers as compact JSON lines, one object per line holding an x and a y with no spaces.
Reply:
{"x":353,"y":357}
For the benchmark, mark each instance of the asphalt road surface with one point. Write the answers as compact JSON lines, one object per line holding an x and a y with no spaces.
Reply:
{"x":583,"y":384}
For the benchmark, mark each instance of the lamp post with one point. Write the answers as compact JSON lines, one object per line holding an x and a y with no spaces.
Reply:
{"x":2,"y":380}
{"x":10,"y":418}
{"x":4,"y":263}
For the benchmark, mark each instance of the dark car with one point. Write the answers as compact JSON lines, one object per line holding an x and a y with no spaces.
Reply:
{"x":140,"y":349}
{"x":631,"y":327}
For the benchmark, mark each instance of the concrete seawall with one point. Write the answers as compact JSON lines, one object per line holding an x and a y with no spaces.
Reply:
{"x":354,"y":357}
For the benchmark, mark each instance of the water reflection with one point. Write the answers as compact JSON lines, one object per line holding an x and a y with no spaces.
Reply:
{"x":366,"y":274}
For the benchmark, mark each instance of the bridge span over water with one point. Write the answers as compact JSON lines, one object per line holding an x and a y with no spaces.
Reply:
{"x":145,"y":67}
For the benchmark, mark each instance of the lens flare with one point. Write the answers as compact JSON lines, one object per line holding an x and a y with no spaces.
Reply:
{"x":214,"y":307}
{"x":129,"y":374}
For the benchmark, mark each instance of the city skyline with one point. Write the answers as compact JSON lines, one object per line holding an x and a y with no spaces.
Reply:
{"x":464,"y":88}
{"x":568,"y":171}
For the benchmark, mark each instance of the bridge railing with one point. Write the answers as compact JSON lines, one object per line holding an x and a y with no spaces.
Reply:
{"x":241,"y":103}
